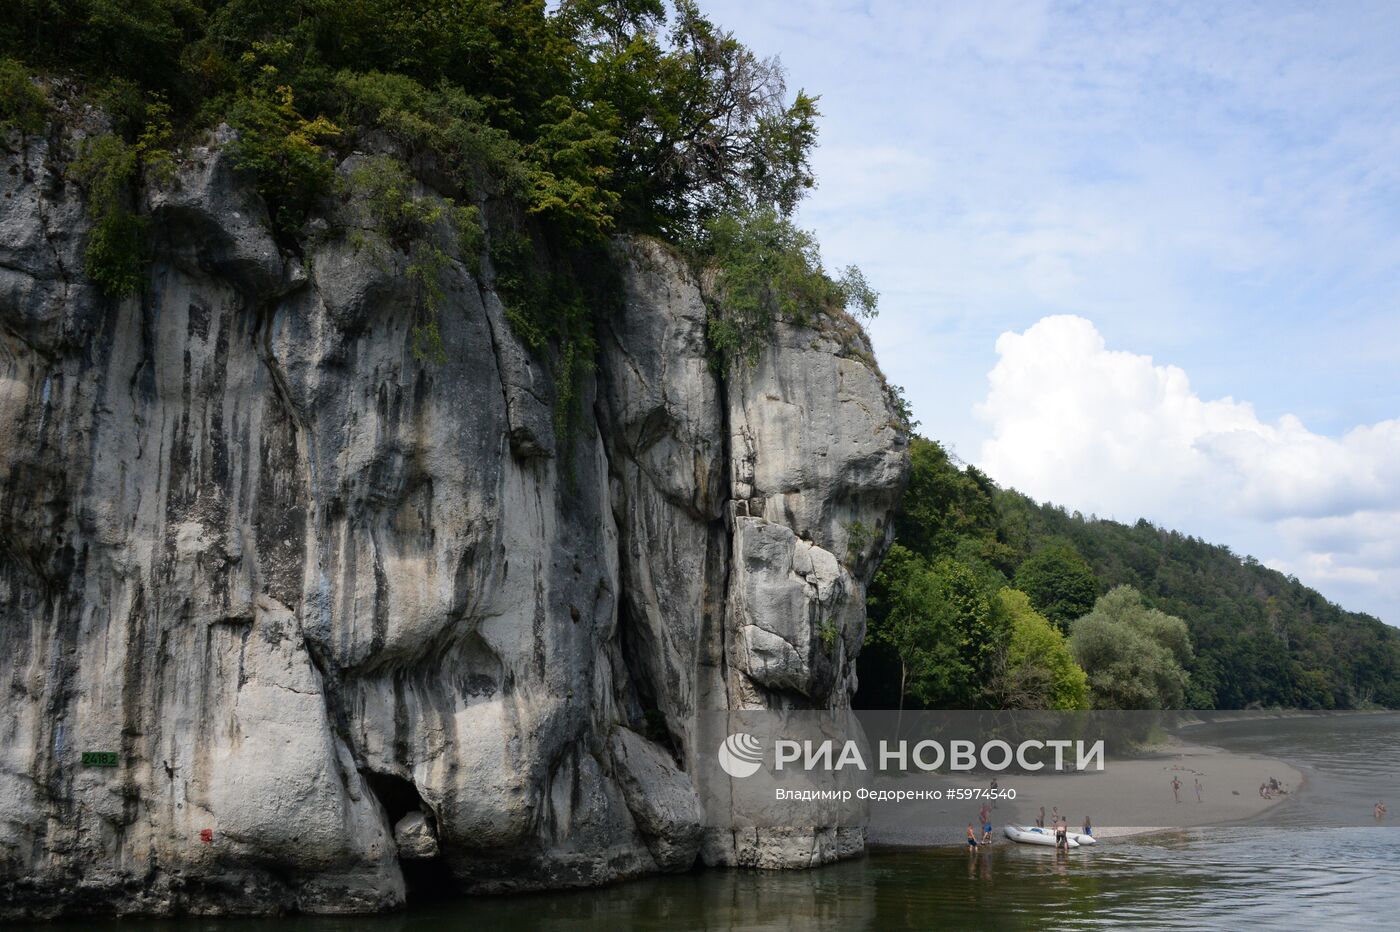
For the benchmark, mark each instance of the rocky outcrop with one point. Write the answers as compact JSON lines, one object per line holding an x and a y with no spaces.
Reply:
{"x":416,"y":838}
{"x":333,"y":610}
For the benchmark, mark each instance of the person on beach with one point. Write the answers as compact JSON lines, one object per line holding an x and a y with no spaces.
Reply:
{"x":1198,"y":789}
{"x":1176,"y":789}
{"x":1040,"y":819}
{"x":1088,"y":826}
{"x":995,"y":787}
{"x":971,"y":838}
{"x":1380,"y":810}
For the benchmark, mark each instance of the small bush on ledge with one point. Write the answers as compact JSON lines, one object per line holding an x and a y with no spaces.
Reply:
{"x":23,"y":105}
{"x":770,"y":270}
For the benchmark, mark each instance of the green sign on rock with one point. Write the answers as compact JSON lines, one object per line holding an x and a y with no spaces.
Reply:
{"x":100,"y":759}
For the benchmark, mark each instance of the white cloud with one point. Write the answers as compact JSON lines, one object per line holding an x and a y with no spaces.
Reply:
{"x":1214,"y":183}
{"x":1115,"y":433}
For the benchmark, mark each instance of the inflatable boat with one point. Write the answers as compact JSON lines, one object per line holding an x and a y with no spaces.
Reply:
{"x":1030,"y":835}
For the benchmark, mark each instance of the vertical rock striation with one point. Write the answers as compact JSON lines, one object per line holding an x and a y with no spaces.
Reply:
{"x":348,"y":619}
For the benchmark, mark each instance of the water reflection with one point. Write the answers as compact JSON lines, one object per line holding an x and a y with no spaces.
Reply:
{"x":1309,"y":870}
{"x":1260,"y":877}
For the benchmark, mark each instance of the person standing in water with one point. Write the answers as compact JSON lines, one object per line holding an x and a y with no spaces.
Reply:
{"x":971,"y":838}
{"x":1061,"y":834}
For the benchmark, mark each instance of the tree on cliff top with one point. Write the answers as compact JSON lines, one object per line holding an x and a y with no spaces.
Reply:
{"x":563,"y":126}
{"x":705,"y":125}
{"x":545,"y":131}
{"x":651,"y":119}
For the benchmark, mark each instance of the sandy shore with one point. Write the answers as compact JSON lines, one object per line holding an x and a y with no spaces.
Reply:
{"x":1127,"y":797}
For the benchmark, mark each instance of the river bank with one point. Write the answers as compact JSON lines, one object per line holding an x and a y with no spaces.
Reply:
{"x":1332,"y":865}
{"x":1128,"y":797}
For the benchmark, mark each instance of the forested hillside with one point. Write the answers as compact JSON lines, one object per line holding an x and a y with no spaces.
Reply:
{"x":1256,"y":636}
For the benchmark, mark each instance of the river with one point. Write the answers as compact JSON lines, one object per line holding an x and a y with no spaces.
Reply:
{"x":1318,"y":860}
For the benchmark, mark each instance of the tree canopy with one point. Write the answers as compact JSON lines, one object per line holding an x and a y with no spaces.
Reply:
{"x":943,"y":505}
{"x":942,"y":628}
{"x":1039,"y":671}
{"x":1135,"y":656}
{"x":1060,"y":583}
{"x":634,"y":114}
{"x":943,"y":622}
{"x":542,"y":129}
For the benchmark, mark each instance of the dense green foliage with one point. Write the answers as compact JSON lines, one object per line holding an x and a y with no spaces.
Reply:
{"x":282,"y":150}
{"x":22,"y":105}
{"x":1039,"y":671}
{"x":1254,"y":637}
{"x":1261,"y":638}
{"x":559,"y":124}
{"x":106,"y":167}
{"x":615,"y":111}
{"x":769,"y":270}
{"x":1135,"y":656}
{"x":1059,"y":582}
{"x":940,"y":624}
{"x":949,"y":512}
{"x":704,"y":125}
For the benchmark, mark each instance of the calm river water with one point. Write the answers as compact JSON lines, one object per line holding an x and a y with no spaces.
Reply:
{"x":1321,"y":863}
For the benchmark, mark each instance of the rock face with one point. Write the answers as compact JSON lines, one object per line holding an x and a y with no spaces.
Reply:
{"x":416,"y":838}
{"x":333,"y":610}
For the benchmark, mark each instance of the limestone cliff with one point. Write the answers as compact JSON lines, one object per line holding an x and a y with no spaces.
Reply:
{"x":345,"y":617}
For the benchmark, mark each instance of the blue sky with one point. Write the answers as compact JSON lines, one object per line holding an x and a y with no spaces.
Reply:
{"x":1140,"y":259}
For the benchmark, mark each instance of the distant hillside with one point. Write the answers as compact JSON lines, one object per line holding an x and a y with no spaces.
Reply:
{"x":1260,"y":638}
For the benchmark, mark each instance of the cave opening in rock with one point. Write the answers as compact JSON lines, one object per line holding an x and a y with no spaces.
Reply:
{"x":426,"y":875}
{"x":397,"y":795}
{"x":426,"y":880}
